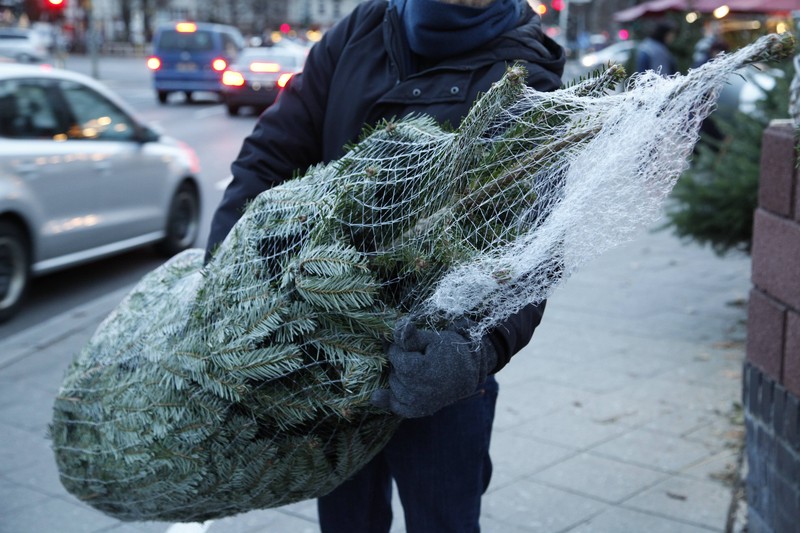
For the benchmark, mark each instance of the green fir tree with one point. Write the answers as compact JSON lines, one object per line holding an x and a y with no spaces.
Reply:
{"x":714,"y":201}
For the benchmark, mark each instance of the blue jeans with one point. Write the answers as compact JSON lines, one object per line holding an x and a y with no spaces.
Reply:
{"x":440,"y":464}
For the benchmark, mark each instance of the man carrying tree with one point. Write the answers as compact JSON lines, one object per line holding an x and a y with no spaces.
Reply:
{"x":389,"y":60}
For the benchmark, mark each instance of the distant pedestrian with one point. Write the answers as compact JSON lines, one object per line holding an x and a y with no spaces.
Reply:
{"x":706,"y":49}
{"x":654,"y":53}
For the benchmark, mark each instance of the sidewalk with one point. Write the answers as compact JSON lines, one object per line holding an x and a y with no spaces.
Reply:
{"x":620,"y":416}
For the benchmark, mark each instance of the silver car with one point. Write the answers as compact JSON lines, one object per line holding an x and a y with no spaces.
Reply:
{"x":22,"y":45}
{"x":81,"y":177}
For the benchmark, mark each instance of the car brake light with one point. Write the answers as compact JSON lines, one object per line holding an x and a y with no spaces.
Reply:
{"x":153,"y":63}
{"x":219,"y":64}
{"x":258,"y":66}
{"x":232,"y":78}
{"x":186,"y":27}
{"x":284,"y":79}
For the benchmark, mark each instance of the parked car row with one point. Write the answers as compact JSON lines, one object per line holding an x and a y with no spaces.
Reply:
{"x":190,"y":57}
{"x":82,"y":177}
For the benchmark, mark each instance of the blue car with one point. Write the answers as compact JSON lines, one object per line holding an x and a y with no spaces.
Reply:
{"x":191,"y":56}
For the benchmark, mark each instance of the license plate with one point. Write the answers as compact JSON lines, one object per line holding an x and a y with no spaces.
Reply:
{"x":257,"y":85}
{"x":186,"y":67}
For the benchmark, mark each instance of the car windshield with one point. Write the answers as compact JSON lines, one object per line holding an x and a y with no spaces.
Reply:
{"x":173,"y":40}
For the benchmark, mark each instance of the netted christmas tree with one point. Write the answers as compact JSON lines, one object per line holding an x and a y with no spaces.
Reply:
{"x":245,"y":383}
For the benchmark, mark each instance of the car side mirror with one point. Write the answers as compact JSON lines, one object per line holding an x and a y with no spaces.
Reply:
{"x":146,"y":135}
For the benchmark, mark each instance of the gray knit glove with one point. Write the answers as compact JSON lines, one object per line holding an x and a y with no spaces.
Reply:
{"x":432,"y":369}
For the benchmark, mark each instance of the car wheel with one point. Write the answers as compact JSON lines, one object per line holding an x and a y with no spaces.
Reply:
{"x":14,"y":268}
{"x":162,"y":97}
{"x":183,"y":221}
{"x":233,"y":110}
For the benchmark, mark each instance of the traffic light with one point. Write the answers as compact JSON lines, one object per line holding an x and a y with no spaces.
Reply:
{"x":557,"y":5}
{"x":55,"y":7}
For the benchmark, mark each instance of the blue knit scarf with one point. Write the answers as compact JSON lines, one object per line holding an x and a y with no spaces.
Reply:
{"x":437,"y":30}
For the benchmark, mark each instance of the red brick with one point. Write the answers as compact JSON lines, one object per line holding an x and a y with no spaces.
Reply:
{"x":776,"y":184}
{"x":766,"y":321}
{"x":776,"y":257}
{"x":791,"y":354}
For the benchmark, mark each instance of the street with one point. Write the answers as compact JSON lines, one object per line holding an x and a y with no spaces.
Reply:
{"x":203,"y":124}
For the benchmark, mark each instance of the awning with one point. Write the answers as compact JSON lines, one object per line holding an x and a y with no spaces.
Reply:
{"x":762,"y":6}
{"x":655,"y":7}
{"x":650,"y":8}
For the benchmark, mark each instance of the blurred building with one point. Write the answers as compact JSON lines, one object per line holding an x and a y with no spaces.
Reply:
{"x":133,"y":21}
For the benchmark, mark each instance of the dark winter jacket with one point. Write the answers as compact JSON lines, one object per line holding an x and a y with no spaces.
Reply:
{"x":360,"y":72}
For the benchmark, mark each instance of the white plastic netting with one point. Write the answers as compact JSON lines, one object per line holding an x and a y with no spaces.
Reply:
{"x":245,"y":383}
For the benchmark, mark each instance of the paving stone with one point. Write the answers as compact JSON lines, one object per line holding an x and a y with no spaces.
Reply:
{"x":682,"y":393}
{"x":619,"y":520}
{"x":598,"y":477}
{"x":571,"y":428}
{"x":622,"y":408}
{"x":19,"y":448}
{"x":42,"y":475}
{"x":678,"y":421}
{"x":653,"y":450}
{"x":539,"y":508}
{"x":717,"y":435}
{"x":722,"y":467}
{"x":265,"y":520}
{"x":490,"y":525}
{"x":45,"y":368}
{"x":690,"y":500}
{"x":55,"y":515}
{"x":643,"y":362}
{"x":24,"y":406}
{"x":527,"y":366}
{"x":519,"y":402}
{"x":515,"y":457}
{"x":138,"y":527}
{"x":14,"y":497}
{"x":592,"y":378}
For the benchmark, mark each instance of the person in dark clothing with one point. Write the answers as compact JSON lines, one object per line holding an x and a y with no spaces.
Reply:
{"x":389,"y":60}
{"x":654,"y":54}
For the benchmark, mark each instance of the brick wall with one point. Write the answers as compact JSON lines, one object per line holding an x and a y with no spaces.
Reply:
{"x":772,"y":369}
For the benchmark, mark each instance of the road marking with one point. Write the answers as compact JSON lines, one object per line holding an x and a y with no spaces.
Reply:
{"x":194,"y":527}
{"x":209,"y":111}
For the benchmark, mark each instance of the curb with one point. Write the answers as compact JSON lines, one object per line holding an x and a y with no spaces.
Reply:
{"x":36,"y":338}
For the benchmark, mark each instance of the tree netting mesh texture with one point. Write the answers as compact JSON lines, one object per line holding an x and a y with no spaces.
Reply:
{"x":245,"y":383}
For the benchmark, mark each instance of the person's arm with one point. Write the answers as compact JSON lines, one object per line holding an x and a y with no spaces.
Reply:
{"x":514,"y":333}
{"x":286,"y":138}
